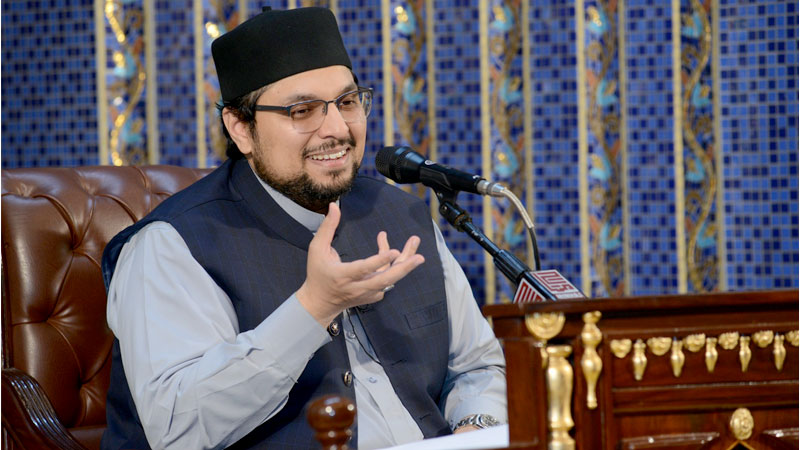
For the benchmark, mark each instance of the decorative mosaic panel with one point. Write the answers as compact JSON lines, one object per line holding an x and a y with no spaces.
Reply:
{"x":651,"y":172}
{"x":458,"y":116}
{"x":701,"y":181}
{"x":49,"y":112}
{"x":126,"y":81}
{"x":508,"y":123}
{"x":360,"y":24}
{"x":175,"y":80}
{"x":604,"y":149}
{"x":555,"y":136}
{"x":760,"y":142}
{"x":49,"y":117}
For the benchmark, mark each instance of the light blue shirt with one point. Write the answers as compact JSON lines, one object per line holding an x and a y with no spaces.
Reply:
{"x":198,"y":382}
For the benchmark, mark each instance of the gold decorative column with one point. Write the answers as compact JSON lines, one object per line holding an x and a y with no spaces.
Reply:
{"x":591,"y":364}
{"x":559,"y":396}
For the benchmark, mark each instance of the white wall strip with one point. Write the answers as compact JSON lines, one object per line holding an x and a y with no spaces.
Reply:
{"x":151,"y":88}
{"x":199,"y":93}
{"x":677,"y":137}
{"x":102,"y":93}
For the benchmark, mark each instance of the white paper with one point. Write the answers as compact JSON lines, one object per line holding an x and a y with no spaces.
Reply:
{"x":492,"y":437}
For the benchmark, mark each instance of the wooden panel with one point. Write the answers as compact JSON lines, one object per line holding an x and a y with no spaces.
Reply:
{"x":661,"y":410}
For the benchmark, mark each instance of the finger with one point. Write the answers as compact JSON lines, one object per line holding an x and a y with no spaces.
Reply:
{"x":412,"y":244}
{"x":395,"y":273}
{"x":383,"y":242}
{"x":368,"y":267}
{"x":327,"y":229}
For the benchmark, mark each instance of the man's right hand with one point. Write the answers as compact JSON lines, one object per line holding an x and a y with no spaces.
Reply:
{"x":331,"y":286}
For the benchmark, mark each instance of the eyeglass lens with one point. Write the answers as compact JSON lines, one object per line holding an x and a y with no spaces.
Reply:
{"x":353,"y":107}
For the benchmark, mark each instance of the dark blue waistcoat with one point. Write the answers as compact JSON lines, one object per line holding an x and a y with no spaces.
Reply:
{"x":257,"y":254}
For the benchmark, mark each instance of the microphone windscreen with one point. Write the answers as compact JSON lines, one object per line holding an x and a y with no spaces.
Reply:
{"x":384,"y":159}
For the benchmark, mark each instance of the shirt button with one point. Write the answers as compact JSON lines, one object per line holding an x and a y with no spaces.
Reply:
{"x":350,"y":335}
{"x":347,"y":377}
{"x":372,"y":379}
{"x":333,"y":328}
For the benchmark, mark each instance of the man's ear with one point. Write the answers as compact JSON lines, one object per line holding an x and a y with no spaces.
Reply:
{"x":239,"y":131}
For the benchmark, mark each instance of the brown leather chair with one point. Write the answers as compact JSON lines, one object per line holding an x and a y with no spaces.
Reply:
{"x":56,"y":344}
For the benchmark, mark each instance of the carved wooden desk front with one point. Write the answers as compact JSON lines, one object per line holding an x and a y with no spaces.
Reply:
{"x":713,"y":371}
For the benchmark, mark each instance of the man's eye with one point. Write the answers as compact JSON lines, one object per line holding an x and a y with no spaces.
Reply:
{"x":351,"y":101}
{"x":300,"y":112}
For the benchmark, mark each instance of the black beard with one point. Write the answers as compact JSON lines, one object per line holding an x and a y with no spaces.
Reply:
{"x":303,"y":190}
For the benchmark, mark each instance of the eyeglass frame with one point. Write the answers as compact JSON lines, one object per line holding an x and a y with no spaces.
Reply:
{"x":288,"y":109}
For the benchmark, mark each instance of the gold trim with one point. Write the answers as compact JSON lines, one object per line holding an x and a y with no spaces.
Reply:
{"x":545,"y":326}
{"x":591,"y":364}
{"x":744,"y":352}
{"x":199,"y":92}
{"x":677,"y":358}
{"x":486,"y":146}
{"x":102,"y":88}
{"x":433,"y":148}
{"x":729,"y":340}
{"x":150,"y":67}
{"x":659,"y":345}
{"x":763,"y":338}
{"x":388,"y":91}
{"x":716,"y":79}
{"x":623,"y":146}
{"x":291,"y":4}
{"x":621,"y":347}
{"x":583,"y":147}
{"x":779,"y":352}
{"x":741,"y":424}
{"x":241,"y":5}
{"x":694,"y":342}
{"x":711,"y":353}
{"x":527,"y":131}
{"x":559,"y":378}
{"x":639,"y":360}
{"x":792,"y":336}
{"x":677,"y":136}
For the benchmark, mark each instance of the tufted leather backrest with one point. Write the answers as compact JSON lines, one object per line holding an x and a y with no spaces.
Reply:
{"x":55,"y":224}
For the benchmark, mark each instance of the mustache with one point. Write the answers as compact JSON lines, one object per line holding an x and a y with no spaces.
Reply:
{"x":333,"y":143}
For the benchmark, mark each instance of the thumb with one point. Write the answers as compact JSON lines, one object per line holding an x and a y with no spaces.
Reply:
{"x":328,"y":227}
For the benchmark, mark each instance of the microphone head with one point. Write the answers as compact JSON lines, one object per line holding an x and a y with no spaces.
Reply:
{"x":399,"y":164}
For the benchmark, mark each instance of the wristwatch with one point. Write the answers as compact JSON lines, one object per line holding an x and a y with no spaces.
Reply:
{"x":478,"y":420}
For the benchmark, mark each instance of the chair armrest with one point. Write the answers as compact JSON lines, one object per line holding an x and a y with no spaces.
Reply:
{"x":29,"y":417}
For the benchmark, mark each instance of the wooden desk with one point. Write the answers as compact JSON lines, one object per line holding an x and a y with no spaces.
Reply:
{"x":700,"y":371}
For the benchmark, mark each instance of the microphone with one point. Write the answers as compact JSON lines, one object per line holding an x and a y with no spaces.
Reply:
{"x":404,"y":165}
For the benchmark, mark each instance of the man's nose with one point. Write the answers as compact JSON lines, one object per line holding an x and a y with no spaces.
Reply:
{"x":333,"y":123}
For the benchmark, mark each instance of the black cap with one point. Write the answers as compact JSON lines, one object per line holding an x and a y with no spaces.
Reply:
{"x":274,"y":45}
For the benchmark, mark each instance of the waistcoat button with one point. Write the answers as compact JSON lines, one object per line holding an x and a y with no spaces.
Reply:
{"x":347,"y":378}
{"x":333,"y":328}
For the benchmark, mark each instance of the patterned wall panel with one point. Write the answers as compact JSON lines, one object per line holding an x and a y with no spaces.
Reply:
{"x":176,"y":83}
{"x":683,"y":232}
{"x":651,"y":173}
{"x":508,"y":146}
{"x":604,"y":149}
{"x":760,"y":141}
{"x":458,"y":118}
{"x":360,"y":23}
{"x":126,"y":81}
{"x":701,"y":180}
{"x":555,"y":136}
{"x":409,"y":79}
{"x":49,"y":113}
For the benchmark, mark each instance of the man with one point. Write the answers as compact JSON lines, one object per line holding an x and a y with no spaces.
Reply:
{"x":272,"y":281}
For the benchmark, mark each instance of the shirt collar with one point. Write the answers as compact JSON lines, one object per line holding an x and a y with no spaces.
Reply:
{"x":309,"y":219}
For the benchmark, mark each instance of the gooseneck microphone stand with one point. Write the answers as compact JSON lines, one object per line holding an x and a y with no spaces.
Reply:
{"x":514,"y":269}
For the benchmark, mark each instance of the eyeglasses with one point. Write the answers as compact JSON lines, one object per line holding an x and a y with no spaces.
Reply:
{"x":307,"y":116}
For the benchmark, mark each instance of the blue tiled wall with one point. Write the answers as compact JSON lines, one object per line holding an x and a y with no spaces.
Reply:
{"x":49,"y":117}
